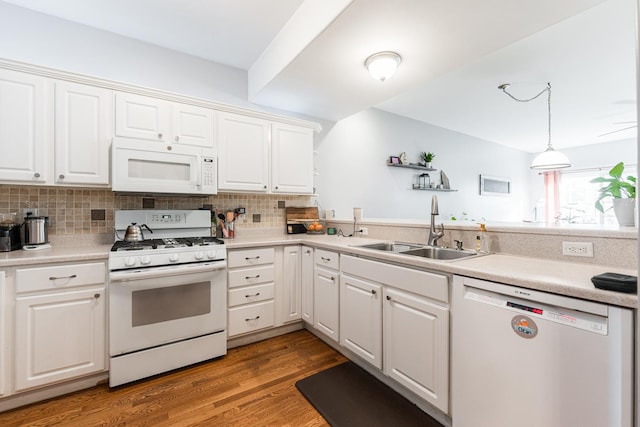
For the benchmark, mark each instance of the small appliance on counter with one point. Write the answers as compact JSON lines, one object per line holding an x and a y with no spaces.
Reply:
{"x":10,"y":233}
{"x":36,"y":232}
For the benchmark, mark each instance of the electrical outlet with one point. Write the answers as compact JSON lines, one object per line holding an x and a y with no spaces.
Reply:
{"x":364,"y":231}
{"x":29,"y":212}
{"x":584,"y":249}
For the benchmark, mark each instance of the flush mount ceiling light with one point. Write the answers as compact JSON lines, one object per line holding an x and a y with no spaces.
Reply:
{"x":382,"y":65}
{"x":549,"y":159}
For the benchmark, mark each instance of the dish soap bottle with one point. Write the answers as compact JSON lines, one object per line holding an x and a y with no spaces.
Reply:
{"x":481,"y":239}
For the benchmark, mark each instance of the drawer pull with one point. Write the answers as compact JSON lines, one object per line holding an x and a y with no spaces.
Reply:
{"x":257,"y":294}
{"x":73,"y":276}
{"x":96,"y":296}
{"x":257,"y":276}
{"x":252,"y":257}
{"x":325,"y":259}
{"x":249,"y":320}
{"x":373,"y":292}
{"x":308,"y":252}
{"x":333,"y":279}
{"x":388,"y":298}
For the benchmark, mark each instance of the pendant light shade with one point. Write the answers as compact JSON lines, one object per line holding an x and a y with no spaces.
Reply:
{"x":550,"y":159}
{"x":382,"y":65}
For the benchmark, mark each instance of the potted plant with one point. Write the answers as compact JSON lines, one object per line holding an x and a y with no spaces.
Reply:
{"x":427,"y":158}
{"x":622,"y":191}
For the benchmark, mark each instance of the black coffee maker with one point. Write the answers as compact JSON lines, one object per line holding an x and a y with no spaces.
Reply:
{"x":10,"y":233}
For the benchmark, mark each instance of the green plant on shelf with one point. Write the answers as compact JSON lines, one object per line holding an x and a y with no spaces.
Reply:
{"x":427,"y":156}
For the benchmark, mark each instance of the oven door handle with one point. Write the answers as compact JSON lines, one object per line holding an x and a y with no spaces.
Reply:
{"x":173,"y":270}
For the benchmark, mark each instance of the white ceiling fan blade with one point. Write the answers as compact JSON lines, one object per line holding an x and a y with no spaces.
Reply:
{"x":619,"y":130}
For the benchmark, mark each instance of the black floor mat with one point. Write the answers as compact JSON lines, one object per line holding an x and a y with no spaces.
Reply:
{"x":347,"y":396}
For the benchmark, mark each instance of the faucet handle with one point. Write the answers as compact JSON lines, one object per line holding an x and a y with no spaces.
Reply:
{"x":458,"y":244}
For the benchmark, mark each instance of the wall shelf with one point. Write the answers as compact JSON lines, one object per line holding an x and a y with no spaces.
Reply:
{"x":411,"y":166}
{"x":415,"y":187}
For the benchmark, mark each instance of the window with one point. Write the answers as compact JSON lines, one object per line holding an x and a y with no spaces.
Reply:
{"x":577,"y":196}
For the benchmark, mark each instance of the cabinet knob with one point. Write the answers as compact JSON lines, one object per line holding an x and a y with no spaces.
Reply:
{"x":61,"y":176}
{"x":373,"y":292}
{"x":159,"y":136}
{"x":307,"y":251}
{"x":169,"y":148}
{"x":276,"y":187}
{"x":388,"y":298}
{"x":36,"y":175}
{"x":96,"y":296}
{"x":265,"y":187}
{"x":333,"y":279}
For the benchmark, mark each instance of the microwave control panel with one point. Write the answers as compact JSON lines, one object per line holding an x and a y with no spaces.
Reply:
{"x":208,"y":171}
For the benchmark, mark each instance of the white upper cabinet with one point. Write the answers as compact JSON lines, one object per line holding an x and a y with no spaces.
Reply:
{"x":257,"y":155}
{"x":154,"y":119}
{"x":243,"y":153}
{"x":291,"y":159}
{"x":83,"y":132}
{"x":25,"y":126}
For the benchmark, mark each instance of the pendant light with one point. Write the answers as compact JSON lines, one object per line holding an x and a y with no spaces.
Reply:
{"x":382,"y":65}
{"x":550,"y":159}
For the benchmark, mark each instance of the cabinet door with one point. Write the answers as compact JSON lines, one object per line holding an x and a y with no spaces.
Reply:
{"x":416,"y":346}
{"x":361,"y":318}
{"x":4,"y":334}
{"x":192,"y":125}
{"x":25,"y":111}
{"x":292,"y":282}
{"x":142,"y":117}
{"x":291,"y":159}
{"x":243,"y":153}
{"x":326,"y":303}
{"x":83,"y":132}
{"x":307,"y":284}
{"x":62,"y":336}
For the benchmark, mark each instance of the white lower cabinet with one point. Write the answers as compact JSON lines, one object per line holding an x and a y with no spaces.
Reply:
{"x":361,"y":318}
{"x":251,"y":281}
{"x":291,"y":282}
{"x":306,"y":285}
{"x":416,"y":351}
{"x":60,"y":323}
{"x":397,"y":319}
{"x":326,"y":293}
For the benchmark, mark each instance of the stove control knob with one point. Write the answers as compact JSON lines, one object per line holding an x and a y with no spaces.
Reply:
{"x":174,"y":258}
{"x":199,"y":255}
{"x":146,"y":260}
{"x":211,"y":254}
{"x":130,"y":262}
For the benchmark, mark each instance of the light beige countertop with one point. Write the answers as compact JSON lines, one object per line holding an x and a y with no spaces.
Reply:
{"x":56,"y":253}
{"x":560,"y":277}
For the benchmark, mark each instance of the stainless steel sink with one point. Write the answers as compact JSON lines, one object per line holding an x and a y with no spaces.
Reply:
{"x":391,"y":246}
{"x":439,"y":253}
{"x":431,"y":252}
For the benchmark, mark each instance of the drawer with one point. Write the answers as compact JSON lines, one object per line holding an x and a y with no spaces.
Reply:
{"x":59,"y":277}
{"x":251,"y":276}
{"x":327,"y":259}
{"x":249,"y":318}
{"x":251,"y":294}
{"x":248,"y":257}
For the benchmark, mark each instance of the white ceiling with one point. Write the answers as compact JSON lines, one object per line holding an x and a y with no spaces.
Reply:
{"x":307,"y":56}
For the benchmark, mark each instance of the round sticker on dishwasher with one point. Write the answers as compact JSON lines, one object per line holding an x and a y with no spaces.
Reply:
{"x":524,"y":326}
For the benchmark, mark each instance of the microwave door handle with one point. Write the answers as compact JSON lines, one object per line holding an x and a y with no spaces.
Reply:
{"x":200,"y":181}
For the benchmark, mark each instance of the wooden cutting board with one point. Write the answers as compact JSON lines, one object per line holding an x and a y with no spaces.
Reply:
{"x":298,"y":214}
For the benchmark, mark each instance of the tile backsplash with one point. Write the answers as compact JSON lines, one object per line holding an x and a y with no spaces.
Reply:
{"x":90,"y":211}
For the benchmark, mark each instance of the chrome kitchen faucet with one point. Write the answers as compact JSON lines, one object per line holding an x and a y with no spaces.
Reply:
{"x":434,"y":235}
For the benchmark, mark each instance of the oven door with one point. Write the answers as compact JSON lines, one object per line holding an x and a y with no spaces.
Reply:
{"x":156,"y":306}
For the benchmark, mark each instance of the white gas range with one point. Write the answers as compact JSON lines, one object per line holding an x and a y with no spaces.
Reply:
{"x":167,"y":294}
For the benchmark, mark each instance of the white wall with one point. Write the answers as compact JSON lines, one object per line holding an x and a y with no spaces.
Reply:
{"x":351,"y":161}
{"x":35,"y":38}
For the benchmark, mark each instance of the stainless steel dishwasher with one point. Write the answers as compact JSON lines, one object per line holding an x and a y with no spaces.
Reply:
{"x":529,"y":358}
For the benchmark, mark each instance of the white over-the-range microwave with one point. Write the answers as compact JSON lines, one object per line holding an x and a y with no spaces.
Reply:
{"x":150,"y":167}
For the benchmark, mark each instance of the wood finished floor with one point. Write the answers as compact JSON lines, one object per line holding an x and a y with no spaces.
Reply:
{"x":252,"y":385}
